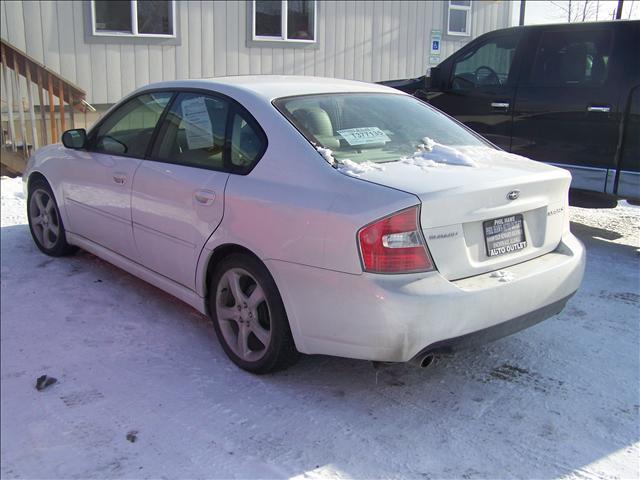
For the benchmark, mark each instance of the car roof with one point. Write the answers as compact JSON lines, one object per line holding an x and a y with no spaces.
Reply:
{"x":270,"y":87}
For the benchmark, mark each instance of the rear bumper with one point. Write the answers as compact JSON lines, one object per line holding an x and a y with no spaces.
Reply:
{"x":495,"y":332}
{"x":396,"y":317}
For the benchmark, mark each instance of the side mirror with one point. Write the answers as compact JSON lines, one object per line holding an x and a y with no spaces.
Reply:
{"x":436,"y":79}
{"x":439,"y":79}
{"x":75,"y":139}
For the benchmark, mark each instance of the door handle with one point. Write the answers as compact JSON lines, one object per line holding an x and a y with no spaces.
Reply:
{"x":599,"y":108}
{"x":120,"y":178}
{"x":500,"y":105}
{"x":204,"y":197}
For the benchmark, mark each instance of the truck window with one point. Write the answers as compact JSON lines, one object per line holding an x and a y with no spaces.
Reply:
{"x":572,"y":58}
{"x":487,"y":65}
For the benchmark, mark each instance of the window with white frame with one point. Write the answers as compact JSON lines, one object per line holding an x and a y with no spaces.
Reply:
{"x":459,"y":18}
{"x":284,"y":20}
{"x":133,"y":18}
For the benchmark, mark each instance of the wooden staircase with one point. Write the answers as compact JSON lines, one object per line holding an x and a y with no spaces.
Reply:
{"x":57,"y":102}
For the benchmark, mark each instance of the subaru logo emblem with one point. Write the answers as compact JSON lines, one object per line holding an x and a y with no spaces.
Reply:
{"x":513,"y":194}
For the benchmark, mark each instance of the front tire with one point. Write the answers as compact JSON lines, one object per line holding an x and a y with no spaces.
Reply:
{"x":45,"y":222}
{"x":249,"y":316}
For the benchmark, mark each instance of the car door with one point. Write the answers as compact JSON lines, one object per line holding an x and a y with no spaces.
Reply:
{"x":178,"y":192}
{"x":567,"y":106}
{"x":97,"y":187}
{"x":481,"y":86}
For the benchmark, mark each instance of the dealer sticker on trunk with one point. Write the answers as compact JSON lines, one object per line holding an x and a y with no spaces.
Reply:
{"x":504,"y":235}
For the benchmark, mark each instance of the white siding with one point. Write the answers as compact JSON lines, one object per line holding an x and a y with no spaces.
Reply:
{"x":66,"y":40}
{"x":50,"y":33}
{"x":84,"y":62}
{"x":219,"y":46}
{"x":364,"y":40}
{"x":114,"y":57}
{"x":207,"y":28}
{"x":14,"y":27}
{"x":35,"y":44}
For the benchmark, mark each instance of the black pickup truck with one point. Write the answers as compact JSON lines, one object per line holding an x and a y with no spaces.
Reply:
{"x":564,"y":94}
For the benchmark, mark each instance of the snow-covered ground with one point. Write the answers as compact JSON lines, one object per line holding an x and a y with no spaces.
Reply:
{"x":558,"y":400}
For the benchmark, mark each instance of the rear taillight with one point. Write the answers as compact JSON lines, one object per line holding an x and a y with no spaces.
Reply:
{"x":395,"y":244}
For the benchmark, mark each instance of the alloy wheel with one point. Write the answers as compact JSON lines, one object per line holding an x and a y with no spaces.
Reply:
{"x":243,"y":314}
{"x":45,"y":220}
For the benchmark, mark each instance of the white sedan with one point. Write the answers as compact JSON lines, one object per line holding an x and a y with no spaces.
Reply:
{"x":312,"y":215}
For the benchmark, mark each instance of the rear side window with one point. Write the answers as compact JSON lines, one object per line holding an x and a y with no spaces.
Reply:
{"x":246,"y":142}
{"x":128,"y":130}
{"x":194,"y":132}
{"x":208,"y":131}
{"x":572,"y":58}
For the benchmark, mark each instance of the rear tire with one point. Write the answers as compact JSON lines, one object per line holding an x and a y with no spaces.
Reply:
{"x":249,"y":316}
{"x":45,"y":222}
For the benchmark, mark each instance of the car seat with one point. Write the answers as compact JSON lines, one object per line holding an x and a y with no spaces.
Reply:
{"x":598,"y":69}
{"x":317,"y":122}
{"x":574,"y":66}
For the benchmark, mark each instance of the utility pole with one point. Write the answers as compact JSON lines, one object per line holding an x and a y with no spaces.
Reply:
{"x":523,"y":4}
{"x":619,"y":10}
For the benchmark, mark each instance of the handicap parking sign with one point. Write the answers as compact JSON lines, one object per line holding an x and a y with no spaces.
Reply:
{"x":436,"y":40}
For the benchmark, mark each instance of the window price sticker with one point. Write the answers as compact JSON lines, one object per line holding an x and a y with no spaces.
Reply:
{"x":197,"y":123}
{"x":364,"y":135}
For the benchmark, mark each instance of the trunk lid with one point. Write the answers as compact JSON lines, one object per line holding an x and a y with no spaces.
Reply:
{"x":458,"y":199}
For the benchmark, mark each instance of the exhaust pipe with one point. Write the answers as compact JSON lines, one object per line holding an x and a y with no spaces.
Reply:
{"x":423,"y":360}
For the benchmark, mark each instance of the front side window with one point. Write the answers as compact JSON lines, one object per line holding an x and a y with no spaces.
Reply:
{"x":133,"y":18}
{"x":286,"y":20}
{"x":128,"y":130}
{"x":459,"y":17}
{"x":372,"y":127}
{"x":572,"y":58}
{"x":194,"y":132}
{"x":487,"y":65}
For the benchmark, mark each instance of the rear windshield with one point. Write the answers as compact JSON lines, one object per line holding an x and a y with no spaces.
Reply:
{"x":372,"y":127}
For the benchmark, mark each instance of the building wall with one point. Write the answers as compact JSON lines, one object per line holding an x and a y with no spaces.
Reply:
{"x":362,"y":40}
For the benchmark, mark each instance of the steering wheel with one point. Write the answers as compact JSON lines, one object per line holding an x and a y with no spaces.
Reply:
{"x":491,"y":78}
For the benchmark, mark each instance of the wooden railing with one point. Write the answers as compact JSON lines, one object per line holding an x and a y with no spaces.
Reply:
{"x":32,"y":132}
